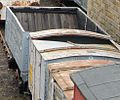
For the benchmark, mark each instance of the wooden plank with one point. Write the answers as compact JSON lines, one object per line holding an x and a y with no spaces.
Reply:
{"x":38,"y":21}
{"x":78,"y":64}
{"x":75,"y":22}
{"x":57,"y":21}
{"x":51,"y":20}
{"x":24,"y":21}
{"x":43,"y":21}
{"x":63,"y":86}
{"x":54,"y":21}
{"x":31,"y":22}
{"x":64,"y":23}
{"x":46,"y":23}
{"x":69,"y":94}
{"x":71,"y":21}
{"x":62,"y":78}
{"x":19,"y":16}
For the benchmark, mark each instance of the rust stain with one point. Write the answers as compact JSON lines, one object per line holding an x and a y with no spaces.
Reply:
{"x":62,"y":32}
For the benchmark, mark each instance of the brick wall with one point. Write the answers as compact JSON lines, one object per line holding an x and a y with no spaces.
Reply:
{"x":107,"y":14}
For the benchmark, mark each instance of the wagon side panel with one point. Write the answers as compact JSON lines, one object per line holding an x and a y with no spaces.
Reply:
{"x":17,"y":41}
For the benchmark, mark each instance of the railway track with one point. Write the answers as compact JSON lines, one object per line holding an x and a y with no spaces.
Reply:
{"x":8,"y":84}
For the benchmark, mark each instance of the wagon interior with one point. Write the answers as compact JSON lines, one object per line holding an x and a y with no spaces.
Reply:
{"x":36,"y":19}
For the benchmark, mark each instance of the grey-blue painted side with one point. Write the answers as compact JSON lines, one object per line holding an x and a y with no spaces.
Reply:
{"x":17,"y":40}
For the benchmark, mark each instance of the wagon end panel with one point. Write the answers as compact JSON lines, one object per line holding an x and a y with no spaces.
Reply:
{"x":34,"y":76}
{"x":42,"y":18}
{"x":86,"y":23}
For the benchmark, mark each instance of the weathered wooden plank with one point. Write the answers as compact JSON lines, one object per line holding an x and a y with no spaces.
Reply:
{"x":72,"y":21}
{"x":57,"y":21}
{"x":19,"y":16}
{"x":24,"y":21}
{"x":75,"y":22}
{"x":31,"y":22}
{"x":54,"y":21}
{"x":73,"y":65}
{"x":38,"y":21}
{"x":63,"y":79}
{"x":64,"y":22}
{"x":45,"y":23}
{"x":51,"y":19}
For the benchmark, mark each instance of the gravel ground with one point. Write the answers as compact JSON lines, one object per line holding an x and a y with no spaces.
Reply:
{"x":8,"y":85}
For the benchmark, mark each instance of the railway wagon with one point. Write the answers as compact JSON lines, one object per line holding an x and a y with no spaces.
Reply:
{"x":4,"y":3}
{"x":23,"y":21}
{"x":56,"y":53}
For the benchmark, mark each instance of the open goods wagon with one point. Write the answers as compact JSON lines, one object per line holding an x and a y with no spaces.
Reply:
{"x":55,"y":54}
{"x":23,"y":23}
